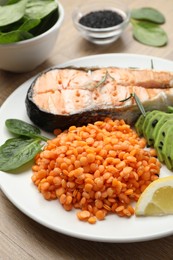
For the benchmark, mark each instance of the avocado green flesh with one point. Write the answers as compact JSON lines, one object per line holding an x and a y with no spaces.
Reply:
{"x":157,"y":128}
{"x":168,"y":144}
{"x":139,"y":124}
{"x":152,"y":123}
{"x":147,"y":118}
{"x":161,"y":143}
{"x":157,"y":139}
{"x":160,"y":123}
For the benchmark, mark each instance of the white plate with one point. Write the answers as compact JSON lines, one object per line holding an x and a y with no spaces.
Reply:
{"x":24,"y":195}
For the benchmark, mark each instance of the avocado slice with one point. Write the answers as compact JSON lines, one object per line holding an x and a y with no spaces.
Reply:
{"x":168,"y":145}
{"x":160,"y":123}
{"x":139,"y":124}
{"x":151,"y":126}
{"x":171,"y":151}
{"x":146,"y":121}
{"x":161,"y":142}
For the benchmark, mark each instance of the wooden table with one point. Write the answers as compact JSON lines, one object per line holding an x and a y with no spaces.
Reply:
{"x":23,"y":238}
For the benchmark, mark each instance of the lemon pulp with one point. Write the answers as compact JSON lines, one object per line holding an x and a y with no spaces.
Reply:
{"x":157,"y":198}
{"x":161,"y":202}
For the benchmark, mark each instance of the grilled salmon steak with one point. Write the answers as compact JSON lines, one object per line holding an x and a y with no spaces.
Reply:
{"x":61,"y":97}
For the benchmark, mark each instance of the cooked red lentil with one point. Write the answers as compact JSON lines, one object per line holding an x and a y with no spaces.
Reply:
{"x":99,"y":168}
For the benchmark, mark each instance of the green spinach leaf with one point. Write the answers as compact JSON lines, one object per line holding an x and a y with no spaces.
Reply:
{"x":149,"y":33}
{"x":3,"y":2}
{"x":149,"y":14}
{"x":14,"y":36}
{"x":24,"y":19}
{"x":20,"y":127}
{"x":8,"y":2}
{"x":46,"y":23}
{"x":12,"y":13}
{"x":40,"y":8}
{"x":15,"y":152}
{"x":29,"y":24}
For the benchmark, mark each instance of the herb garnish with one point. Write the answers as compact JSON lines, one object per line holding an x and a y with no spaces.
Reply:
{"x":152,"y":64}
{"x":138,"y":102}
{"x":103,"y":80}
{"x":21,"y":149}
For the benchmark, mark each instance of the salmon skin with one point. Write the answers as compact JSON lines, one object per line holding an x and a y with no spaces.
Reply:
{"x":61,"y":97}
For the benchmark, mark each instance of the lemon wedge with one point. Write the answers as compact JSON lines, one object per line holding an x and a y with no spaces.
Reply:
{"x":157,"y":198}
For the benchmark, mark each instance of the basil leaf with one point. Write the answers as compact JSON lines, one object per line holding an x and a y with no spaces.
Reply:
{"x":149,"y":14}
{"x":12,"y":13}
{"x":15,"y":152}
{"x":149,"y":33}
{"x":40,"y":9}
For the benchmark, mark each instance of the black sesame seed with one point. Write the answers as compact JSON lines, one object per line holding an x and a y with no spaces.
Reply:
{"x":101,"y":19}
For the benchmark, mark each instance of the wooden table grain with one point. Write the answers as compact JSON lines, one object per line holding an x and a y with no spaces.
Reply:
{"x":21,"y":237}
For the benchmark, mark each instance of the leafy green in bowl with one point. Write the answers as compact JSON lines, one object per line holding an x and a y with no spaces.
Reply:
{"x":24,"y":19}
{"x":28,"y":32}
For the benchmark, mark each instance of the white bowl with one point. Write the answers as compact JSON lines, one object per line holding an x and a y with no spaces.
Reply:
{"x":101,"y":35}
{"x":28,"y":54}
